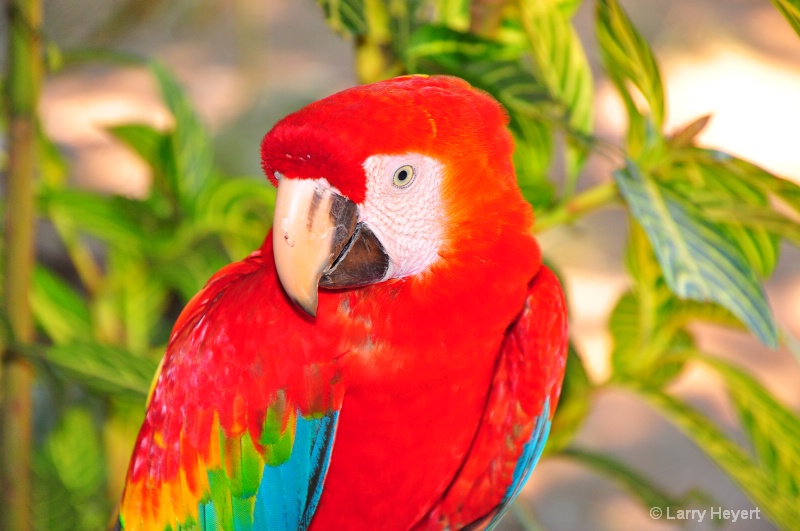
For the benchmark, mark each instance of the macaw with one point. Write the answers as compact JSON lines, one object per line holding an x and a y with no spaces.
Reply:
{"x":389,"y":358}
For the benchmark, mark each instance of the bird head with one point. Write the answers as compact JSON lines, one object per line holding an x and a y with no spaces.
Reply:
{"x":390,"y":181}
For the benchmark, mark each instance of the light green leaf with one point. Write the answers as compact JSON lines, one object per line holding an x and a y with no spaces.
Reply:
{"x":790,"y":9}
{"x":698,"y":263}
{"x":756,"y":481}
{"x":784,"y":189}
{"x":58,"y":308}
{"x":191,"y":145}
{"x":562,"y":65}
{"x":569,"y":7}
{"x":629,"y":63}
{"x":454,"y":14}
{"x":139,"y":296}
{"x":533,"y":157}
{"x":772,"y":428}
{"x":628,"y":57}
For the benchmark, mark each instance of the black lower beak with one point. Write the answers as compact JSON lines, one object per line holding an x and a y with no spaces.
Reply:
{"x":363,"y":261}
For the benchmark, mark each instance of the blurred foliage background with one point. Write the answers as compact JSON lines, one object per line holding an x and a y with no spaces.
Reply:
{"x":123,"y":242}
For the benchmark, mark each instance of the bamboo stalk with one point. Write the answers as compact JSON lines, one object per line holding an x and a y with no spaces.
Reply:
{"x":23,"y":79}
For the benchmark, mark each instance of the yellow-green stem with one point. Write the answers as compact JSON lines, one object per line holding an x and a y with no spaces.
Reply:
{"x":23,"y":79}
{"x":577,"y":206}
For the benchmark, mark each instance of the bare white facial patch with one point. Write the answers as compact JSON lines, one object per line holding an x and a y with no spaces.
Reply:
{"x":403,"y":207}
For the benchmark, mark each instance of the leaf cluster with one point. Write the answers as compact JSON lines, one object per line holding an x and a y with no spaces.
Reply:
{"x":105,"y":317}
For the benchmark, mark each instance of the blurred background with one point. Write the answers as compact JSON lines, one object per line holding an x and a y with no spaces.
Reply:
{"x":247,"y":63}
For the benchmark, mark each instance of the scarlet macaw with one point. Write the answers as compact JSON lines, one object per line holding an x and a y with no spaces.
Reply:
{"x":392,"y":355}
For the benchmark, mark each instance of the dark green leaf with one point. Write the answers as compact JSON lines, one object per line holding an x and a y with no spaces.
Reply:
{"x":345,"y":16}
{"x":698,"y":263}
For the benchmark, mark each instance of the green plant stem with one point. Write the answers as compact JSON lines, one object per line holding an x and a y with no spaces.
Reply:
{"x":577,"y":206}
{"x":23,"y":79}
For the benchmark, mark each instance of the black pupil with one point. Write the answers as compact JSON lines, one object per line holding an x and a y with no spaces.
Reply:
{"x":402,"y":175}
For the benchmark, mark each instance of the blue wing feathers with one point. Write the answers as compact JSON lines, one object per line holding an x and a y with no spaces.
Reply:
{"x":288,"y":493}
{"x":531,"y":452}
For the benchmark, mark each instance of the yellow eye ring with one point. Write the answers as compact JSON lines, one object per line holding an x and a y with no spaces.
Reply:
{"x":403,"y":176}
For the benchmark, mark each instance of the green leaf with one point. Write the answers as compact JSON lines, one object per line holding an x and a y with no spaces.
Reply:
{"x":345,"y":16}
{"x":629,"y":62}
{"x":790,"y":9}
{"x":58,"y":308}
{"x":112,"y":219}
{"x":716,"y":189}
{"x":563,"y":67}
{"x":698,"y":263}
{"x":498,"y":69}
{"x":239,"y":210}
{"x":756,"y":481}
{"x":430,"y":41}
{"x":147,"y":142}
{"x":773,"y":430}
{"x":139,"y":295}
{"x":784,"y":189}
{"x":191,"y":145}
{"x":103,"y":368}
{"x":156,"y":149}
{"x":648,"y":493}
{"x":533,"y":156}
{"x":69,"y":476}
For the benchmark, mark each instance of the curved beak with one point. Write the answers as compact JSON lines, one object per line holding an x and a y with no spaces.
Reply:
{"x":318,"y":241}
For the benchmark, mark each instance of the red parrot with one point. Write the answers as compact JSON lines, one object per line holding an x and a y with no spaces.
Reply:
{"x":389,"y":358}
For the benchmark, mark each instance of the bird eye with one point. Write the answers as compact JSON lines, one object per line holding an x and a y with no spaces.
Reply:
{"x":403,"y":176}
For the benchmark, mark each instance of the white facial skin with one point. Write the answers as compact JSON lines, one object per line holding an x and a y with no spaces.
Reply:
{"x":403,"y":207}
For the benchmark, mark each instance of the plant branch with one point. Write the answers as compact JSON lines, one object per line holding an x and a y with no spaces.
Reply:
{"x":577,"y":206}
{"x":23,"y":78}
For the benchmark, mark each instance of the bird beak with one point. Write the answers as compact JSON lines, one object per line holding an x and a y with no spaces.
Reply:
{"x":318,"y":241}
